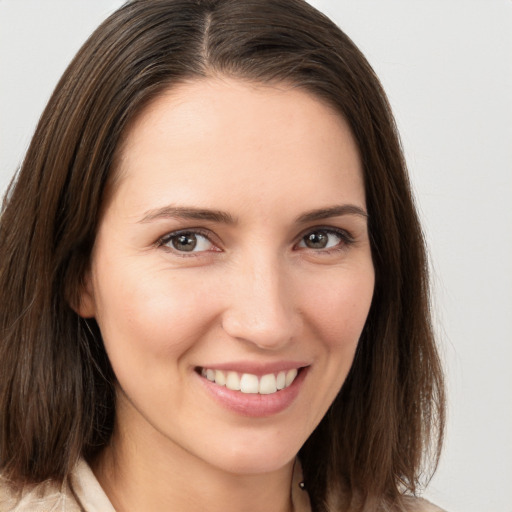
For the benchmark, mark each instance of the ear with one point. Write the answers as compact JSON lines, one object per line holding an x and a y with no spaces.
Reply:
{"x":84,"y":303}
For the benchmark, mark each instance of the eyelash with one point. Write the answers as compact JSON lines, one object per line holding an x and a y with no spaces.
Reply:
{"x":345,"y":237}
{"x":167,"y":239}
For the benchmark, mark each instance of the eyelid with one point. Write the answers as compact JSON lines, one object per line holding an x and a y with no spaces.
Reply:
{"x":165,"y":239}
{"x":346,"y":237}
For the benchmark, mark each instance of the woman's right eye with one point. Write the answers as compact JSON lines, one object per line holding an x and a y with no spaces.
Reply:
{"x":187,"y":242}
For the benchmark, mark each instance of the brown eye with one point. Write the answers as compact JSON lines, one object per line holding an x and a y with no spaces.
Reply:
{"x":187,"y":241}
{"x":321,"y":239}
{"x":316,"y":240}
{"x":184,"y":242}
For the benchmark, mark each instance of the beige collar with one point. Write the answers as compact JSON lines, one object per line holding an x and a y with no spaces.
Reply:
{"x":92,"y":498}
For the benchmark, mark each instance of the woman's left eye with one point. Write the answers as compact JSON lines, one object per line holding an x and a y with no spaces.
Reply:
{"x":324,"y":239}
{"x":186,"y":242}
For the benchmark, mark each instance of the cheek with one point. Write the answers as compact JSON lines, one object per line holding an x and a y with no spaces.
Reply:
{"x":149,"y":318}
{"x":335,"y":314}
{"x":339,"y":307}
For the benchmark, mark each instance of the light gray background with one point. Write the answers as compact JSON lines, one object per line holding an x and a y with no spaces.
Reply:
{"x":447,"y":68}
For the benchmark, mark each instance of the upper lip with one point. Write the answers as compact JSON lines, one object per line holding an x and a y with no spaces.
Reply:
{"x":256,"y":368}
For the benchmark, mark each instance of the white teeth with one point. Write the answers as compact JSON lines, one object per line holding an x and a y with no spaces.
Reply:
{"x":249,"y":383}
{"x":290,"y":376}
{"x":233,"y":381}
{"x":220,"y":378}
{"x":267,"y":384}
{"x":281,"y":380}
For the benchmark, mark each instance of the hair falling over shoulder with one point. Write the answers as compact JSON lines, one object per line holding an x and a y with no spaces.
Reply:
{"x":57,"y":401}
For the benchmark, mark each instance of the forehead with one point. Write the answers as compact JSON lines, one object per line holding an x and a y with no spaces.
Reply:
{"x":224,"y":134}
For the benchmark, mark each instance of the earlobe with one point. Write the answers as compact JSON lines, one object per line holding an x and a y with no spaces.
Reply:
{"x":84,"y":304}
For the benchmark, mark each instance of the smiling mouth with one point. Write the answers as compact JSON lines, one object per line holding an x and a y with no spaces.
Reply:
{"x":250,"y":383}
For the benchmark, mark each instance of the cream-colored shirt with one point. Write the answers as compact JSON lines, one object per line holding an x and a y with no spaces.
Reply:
{"x":81,"y":492}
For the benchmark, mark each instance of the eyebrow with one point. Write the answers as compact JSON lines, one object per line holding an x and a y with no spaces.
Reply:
{"x":180,"y":212}
{"x":332,"y":211}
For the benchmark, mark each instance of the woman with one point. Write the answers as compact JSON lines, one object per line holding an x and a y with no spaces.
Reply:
{"x":213,"y":279}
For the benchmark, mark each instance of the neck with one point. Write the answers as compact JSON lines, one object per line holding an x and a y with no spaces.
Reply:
{"x":139,"y":475}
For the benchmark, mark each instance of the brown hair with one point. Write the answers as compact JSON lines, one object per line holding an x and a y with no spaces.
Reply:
{"x":57,"y":399}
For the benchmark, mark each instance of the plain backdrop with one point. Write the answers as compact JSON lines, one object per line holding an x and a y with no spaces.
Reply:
{"x":447,"y":68}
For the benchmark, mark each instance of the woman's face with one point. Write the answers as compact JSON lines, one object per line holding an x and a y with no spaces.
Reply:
{"x":233,"y":253}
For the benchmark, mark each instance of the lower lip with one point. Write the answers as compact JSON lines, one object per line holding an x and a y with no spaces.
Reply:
{"x":254,"y":404}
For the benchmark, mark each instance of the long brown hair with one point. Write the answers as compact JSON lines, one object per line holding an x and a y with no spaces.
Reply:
{"x":57,"y":400}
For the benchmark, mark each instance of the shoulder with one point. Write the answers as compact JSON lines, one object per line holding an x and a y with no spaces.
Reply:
{"x":420,"y":505}
{"x":37,"y":498}
{"x":80,"y":492}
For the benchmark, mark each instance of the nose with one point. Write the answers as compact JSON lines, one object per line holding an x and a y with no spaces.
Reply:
{"x":262,"y":310}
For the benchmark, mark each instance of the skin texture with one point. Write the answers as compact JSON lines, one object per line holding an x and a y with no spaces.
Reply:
{"x":251,"y":292}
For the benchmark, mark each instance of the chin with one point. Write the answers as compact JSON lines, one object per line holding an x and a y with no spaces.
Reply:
{"x":254,"y":459}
